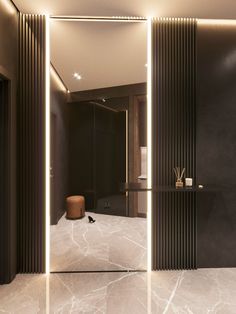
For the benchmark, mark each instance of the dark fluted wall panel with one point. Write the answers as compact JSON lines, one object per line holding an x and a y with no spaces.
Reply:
{"x":174,"y":97}
{"x":31,"y":163}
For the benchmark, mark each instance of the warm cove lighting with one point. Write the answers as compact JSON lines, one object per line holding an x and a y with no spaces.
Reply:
{"x":9,"y":6}
{"x":129,"y":17}
{"x":216,"y":22}
{"x":149,"y":143}
{"x":77,"y":76}
{"x":58,"y":79}
{"x":119,"y":19}
{"x":47,"y":150}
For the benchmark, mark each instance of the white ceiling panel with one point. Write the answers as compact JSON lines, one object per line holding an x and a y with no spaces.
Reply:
{"x":109,"y":54}
{"x":170,"y":8}
{"x":105,"y":54}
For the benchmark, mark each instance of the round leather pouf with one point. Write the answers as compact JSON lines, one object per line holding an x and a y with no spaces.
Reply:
{"x":75,"y":207}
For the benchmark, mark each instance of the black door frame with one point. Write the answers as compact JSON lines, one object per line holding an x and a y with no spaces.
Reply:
{"x":6,"y":232}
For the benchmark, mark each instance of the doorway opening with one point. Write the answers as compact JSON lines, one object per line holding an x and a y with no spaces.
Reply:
{"x":4,"y":177}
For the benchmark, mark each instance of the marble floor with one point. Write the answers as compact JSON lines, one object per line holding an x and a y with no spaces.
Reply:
{"x":111,"y":243}
{"x":191,"y":292}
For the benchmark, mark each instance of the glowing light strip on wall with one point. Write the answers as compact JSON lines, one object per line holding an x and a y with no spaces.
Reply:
{"x":216,"y":22}
{"x":57,"y":78}
{"x":119,"y":19}
{"x":127,"y":148}
{"x":9,"y":6}
{"x":47,"y":141}
{"x":149,"y":144}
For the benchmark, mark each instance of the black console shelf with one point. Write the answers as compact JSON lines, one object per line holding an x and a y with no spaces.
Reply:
{"x":142,"y":187}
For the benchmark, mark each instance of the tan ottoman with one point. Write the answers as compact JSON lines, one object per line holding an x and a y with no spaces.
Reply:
{"x":75,"y":207}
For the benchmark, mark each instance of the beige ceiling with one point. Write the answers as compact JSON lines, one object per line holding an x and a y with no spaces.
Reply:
{"x":111,"y":54}
{"x":169,"y":8}
{"x":105,"y":54}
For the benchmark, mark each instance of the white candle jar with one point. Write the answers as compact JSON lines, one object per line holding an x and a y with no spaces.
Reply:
{"x":188,"y":182}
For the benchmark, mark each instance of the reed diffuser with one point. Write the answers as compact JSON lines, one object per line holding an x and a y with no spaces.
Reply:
{"x":179,"y":176}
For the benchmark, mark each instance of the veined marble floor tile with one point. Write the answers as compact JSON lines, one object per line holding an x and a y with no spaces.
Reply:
{"x":191,"y":292}
{"x":205,"y":291}
{"x":111,"y":243}
{"x":25,"y":295}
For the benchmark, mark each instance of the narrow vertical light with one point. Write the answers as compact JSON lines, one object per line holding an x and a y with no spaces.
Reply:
{"x":216,"y":22}
{"x":127,"y":156}
{"x":149,"y":143}
{"x":127,"y":145}
{"x":47,"y":144}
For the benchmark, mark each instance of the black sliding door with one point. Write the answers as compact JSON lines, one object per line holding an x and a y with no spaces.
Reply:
{"x":5,"y":231}
{"x":97,"y":157}
{"x":109,"y":161}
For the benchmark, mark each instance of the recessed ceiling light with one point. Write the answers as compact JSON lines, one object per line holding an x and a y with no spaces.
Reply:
{"x":77,"y":76}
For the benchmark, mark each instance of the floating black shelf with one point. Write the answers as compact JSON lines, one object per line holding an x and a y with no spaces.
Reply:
{"x":142,"y":187}
{"x":135,"y":187}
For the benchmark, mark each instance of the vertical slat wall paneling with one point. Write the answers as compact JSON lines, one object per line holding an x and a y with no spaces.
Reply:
{"x":174,"y":133}
{"x":31,"y":145}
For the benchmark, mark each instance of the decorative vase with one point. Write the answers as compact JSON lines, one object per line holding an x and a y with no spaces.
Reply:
{"x":179,"y":184}
{"x":179,"y":175}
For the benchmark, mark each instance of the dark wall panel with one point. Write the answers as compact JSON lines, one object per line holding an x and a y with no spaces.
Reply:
{"x":8,"y":71}
{"x":174,"y":93}
{"x":31,"y":145}
{"x":216,"y":144}
{"x":110,"y":162}
{"x":59,"y":141}
{"x":81,"y":151}
{"x":97,"y":156}
{"x":125,"y":96}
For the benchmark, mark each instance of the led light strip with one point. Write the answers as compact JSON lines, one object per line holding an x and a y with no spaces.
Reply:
{"x":149,"y":143}
{"x":47,"y":148}
{"x":216,"y":22}
{"x":127,"y":148}
{"x":100,"y":18}
{"x":57,"y":77}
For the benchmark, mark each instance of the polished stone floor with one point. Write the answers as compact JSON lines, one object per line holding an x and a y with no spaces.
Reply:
{"x":191,"y":292}
{"x":111,"y":243}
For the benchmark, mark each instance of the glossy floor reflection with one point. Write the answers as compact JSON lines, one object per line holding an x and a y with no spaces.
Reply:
{"x":201,"y":291}
{"x":111,"y":243}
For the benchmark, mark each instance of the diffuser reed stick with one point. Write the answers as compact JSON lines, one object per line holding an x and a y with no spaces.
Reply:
{"x":179,"y":176}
